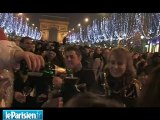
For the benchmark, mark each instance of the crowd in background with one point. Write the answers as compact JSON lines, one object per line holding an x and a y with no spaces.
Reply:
{"x":110,"y":77}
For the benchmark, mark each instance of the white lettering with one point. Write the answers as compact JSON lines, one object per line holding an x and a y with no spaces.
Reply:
{"x":21,"y":115}
{"x":13,"y":115}
{"x":17,"y":116}
{"x":8,"y":115}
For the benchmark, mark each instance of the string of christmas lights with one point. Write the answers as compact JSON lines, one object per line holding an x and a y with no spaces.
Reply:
{"x":119,"y":26}
{"x":18,"y":26}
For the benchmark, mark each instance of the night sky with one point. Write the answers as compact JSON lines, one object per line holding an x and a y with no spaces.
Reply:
{"x":73,"y":18}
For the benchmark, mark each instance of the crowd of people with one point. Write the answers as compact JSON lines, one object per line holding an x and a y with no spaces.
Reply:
{"x":93,"y":76}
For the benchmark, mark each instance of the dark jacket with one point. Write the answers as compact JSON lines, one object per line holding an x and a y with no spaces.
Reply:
{"x":123,"y":89}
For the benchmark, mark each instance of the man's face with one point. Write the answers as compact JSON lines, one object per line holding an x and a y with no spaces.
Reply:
{"x":87,"y":50}
{"x":72,"y":60}
{"x":28,"y":45}
{"x":98,"y":50}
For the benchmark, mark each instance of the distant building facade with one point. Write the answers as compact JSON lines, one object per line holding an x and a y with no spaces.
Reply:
{"x":53,"y":29}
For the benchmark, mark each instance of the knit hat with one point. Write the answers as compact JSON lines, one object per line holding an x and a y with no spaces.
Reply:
{"x":2,"y":35}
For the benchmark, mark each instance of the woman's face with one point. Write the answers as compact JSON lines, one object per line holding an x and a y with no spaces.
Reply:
{"x":51,"y":55}
{"x":117,"y":66}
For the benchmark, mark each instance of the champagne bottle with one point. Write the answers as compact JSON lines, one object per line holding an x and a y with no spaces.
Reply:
{"x":46,"y":74}
{"x":47,"y":71}
{"x":23,"y":67}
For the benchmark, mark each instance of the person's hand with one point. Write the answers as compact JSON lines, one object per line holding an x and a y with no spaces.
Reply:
{"x":53,"y":102}
{"x":20,"y":97}
{"x":42,"y":98}
{"x":57,"y":81}
{"x":34,"y":62}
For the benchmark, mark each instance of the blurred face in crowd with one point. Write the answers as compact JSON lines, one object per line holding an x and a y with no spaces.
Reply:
{"x":72,"y":60}
{"x":135,"y":56}
{"x":117,"y":66}
{"x":51,"y":55}
{"x":105,"y":53}
{"x":98,"y":50}
{"x":28,"y":45}
{"x":87,"y":50}
{"x":17,"y":42}
{"x":33,"y":47}
{"x":44,"y":53}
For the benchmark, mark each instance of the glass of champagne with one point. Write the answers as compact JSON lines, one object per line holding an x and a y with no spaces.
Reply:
{"x":27,"y":90}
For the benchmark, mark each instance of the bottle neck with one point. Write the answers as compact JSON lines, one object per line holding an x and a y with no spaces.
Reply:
{"x":49,"y":70}
{"x":24,"y":68}
{"x":69,"y":72}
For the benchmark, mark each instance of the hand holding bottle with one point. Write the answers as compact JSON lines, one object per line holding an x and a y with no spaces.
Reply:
{"x":34,"y":62}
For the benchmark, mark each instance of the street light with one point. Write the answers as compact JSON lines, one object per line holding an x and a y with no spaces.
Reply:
{"x":142,"y":37}
{"x":86,"y":19}
{"x":79,"y":25}
{"x":20,"y":14}
{"x":27,"y":19}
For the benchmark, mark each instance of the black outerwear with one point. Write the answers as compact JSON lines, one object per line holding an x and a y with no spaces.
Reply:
{"x":84,"y":76}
